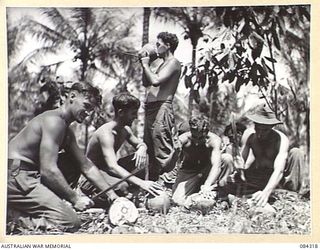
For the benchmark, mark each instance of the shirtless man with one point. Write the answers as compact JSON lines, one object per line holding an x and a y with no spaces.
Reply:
{"x":38,"y":178}
{"x":161,"y":86}
{"x":265,"y":160}
{"x":203,"y":164}
{"x":107,"y":140}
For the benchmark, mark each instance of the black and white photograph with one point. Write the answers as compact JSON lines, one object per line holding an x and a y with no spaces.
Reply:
{"x":158,"y":120}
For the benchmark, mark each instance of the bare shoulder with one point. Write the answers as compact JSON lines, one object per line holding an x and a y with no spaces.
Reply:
{"x":214,"y":136}
{"x":284,"y":140}
{"x":176,"y":63}
{"x":213,"y":140}
{"x":184,"y":137}
{"x":246,"y":134}
{"x":51,"y":120}
{"x":105,"y":131}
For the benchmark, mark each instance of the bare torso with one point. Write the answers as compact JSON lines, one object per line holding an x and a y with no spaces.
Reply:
{"x":26,"y":144}
{"x":197,"y":155}
{"x":265,"y":152}
{"x":166,"y":91}
{"x":107,"y":130}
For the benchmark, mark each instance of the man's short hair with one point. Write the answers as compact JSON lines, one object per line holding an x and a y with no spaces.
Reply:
{"x":125,"y":101}
{"x":199,"y":123}
{"x":170,"y":38}
{"x":92,"y":93}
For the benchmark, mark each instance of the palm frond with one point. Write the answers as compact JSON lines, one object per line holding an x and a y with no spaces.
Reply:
{"x":35,"y":55}
{"x":43,"y":32}
{"x":83,"y":18}
{"x":62,"y":25}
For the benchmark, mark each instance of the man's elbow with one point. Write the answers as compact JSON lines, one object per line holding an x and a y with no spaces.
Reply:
{"x":48,"y":174}
{"x":113,"y":170}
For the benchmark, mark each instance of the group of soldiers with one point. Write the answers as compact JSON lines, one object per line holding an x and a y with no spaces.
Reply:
{"x":45,"y":162}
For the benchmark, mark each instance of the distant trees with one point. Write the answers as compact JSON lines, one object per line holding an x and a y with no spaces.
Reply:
{"x":96,"y":41}
{"x":238,"y":46}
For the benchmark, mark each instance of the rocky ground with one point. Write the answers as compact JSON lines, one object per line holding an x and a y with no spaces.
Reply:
{"x":289,"y":214}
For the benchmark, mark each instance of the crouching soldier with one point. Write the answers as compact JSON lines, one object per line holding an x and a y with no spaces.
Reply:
{"x":39,"y":180}
{"x":203,"y":166}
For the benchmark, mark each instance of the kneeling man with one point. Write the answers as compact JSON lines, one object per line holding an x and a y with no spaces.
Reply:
{"x":106,"y":141}
{"x":40,"y":177}
{"x":202,"y":164}
{"x":266,"y":160}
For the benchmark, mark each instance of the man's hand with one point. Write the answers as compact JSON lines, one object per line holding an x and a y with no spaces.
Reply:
{"x":260,"y":198}
{"x":82,"y":203}
{"x":152,"y":187}
{"x":141,"y":157}
{"x":205,"y":189}
{"x":143,"y":53}
{"x":239,"y":162}
{"x":145,"y":60}
{"x":112,"y":196}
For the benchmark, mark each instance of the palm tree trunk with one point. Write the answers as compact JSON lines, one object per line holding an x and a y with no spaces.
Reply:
{"x":142,"y":92}
{"x":191,"y":98}
{"x":146,"y":19}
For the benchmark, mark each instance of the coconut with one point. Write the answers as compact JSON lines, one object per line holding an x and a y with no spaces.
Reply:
{"x":159,"y":203}
{"x":150,"y":50}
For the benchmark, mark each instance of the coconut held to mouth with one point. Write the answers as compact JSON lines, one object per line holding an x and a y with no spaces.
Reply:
{"x":149,"y":50}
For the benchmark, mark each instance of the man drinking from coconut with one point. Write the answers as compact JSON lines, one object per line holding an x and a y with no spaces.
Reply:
{"x":161,"y":86}
{"x":203,"y":164}
{"x":106,"y":141}
{"x":266,"y":160}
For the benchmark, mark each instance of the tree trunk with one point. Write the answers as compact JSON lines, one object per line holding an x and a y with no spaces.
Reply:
{"x":142,"y":92}
{"x":191,"y":98}
{"x":146,"y":19}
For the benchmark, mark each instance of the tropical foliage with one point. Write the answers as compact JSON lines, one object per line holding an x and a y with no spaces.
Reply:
{"x":97,"y":42}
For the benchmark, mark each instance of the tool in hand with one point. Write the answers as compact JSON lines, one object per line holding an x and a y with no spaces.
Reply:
{"x":117,"y":183}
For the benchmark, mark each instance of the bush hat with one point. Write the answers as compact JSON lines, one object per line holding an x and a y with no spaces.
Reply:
{"x":264,"y":115}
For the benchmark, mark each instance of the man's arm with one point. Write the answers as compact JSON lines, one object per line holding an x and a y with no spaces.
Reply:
{"x":91,"y":172}
{"x":215,"y":143}
{"x":261,"y":197}
{"x":110,"y":158}
{"x":53,"y":132}
{"x":246,"y":158}
{"x":164,"y":74}
{"x":140,"y":156}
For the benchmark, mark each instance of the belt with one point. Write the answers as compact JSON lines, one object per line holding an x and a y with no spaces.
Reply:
{"x":15,"y":164}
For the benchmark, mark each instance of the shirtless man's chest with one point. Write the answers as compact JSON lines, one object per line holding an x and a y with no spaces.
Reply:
{"x":119,"y":137}
{"x":265,"y":152}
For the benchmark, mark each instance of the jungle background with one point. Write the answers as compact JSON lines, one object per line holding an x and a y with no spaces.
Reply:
{"x":233,"y":59}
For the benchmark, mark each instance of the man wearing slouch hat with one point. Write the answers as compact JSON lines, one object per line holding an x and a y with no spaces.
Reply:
{"x":266,"y":160}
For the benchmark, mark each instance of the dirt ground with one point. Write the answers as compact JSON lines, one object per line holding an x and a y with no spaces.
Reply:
{"x":290,"y":215}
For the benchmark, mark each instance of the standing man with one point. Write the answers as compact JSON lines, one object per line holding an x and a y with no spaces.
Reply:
{"x":161,"y":87}
{"x":203,"y":164}
{"x":266,"y":160}
{"x":39,"y":180}
{"x":106,"y":141}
